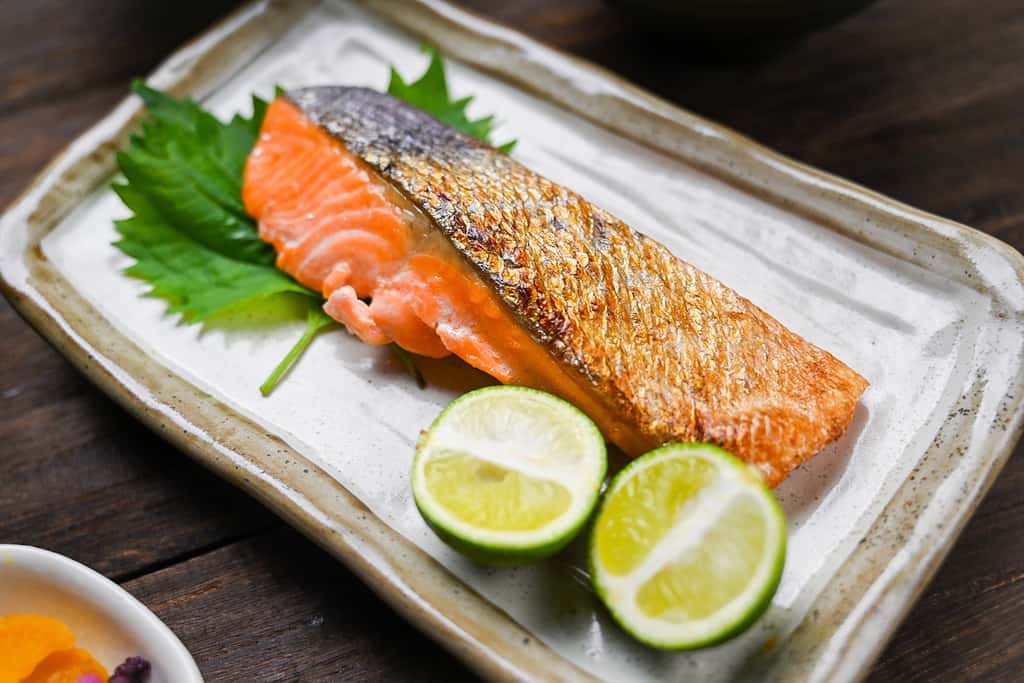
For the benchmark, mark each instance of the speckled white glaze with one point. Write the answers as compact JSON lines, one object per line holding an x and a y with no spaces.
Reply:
{"x":928,"y":311}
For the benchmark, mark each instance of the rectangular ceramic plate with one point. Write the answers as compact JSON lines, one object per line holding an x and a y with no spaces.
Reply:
{"x":929,"y":311}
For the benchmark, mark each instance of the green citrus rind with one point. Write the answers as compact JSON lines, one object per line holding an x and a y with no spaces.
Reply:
{"x":756,"y":604}
{"x":512,"y":548}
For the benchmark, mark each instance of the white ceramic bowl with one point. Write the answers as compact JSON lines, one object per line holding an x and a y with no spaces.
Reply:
{"x":105,"y":618}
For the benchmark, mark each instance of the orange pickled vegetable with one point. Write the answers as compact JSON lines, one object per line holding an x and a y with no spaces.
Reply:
{"x":26,"y":640}
{"x":66,"y":666}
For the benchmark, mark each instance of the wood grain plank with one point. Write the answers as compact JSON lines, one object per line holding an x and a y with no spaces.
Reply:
{"x":919,"y":99}
{"x":31,"y":136}
{"x":276,"y":608}
{"x":968,"y":624}
{"x":80,"y":476}
{"x":53,"y":48}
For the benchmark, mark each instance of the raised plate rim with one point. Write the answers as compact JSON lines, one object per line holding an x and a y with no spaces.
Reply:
{"x":484,"y":636}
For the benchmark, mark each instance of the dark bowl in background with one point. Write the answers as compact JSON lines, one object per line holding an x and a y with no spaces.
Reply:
{"x":734,"y":27}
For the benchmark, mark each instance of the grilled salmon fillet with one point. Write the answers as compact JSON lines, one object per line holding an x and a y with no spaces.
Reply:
{"x":421,"y":235}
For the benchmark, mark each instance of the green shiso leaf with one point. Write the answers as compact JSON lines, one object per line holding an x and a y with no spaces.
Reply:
{"x":430,"y":93}
{"x":189,"y":234}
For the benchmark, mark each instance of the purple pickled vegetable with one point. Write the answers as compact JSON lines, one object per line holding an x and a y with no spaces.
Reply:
{"x":132,"y":670}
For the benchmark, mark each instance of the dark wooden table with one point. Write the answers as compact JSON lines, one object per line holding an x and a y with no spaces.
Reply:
{"x":919,"y":99}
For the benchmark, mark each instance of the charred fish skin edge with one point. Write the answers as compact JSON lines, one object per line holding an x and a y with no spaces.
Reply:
{"x":678,"y":354}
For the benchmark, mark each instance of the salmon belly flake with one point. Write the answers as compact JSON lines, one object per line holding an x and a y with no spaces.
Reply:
{"x":340,"y":229}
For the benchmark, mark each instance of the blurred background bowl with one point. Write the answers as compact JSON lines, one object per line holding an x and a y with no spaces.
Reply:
{"x":739,"y":27}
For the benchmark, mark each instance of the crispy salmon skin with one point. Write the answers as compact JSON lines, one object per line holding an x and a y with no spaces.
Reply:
{"x":472,"y":253}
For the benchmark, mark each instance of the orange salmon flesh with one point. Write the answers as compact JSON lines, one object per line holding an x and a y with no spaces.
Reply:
{"x":418,"y":235}
{"x":340,"y":229}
